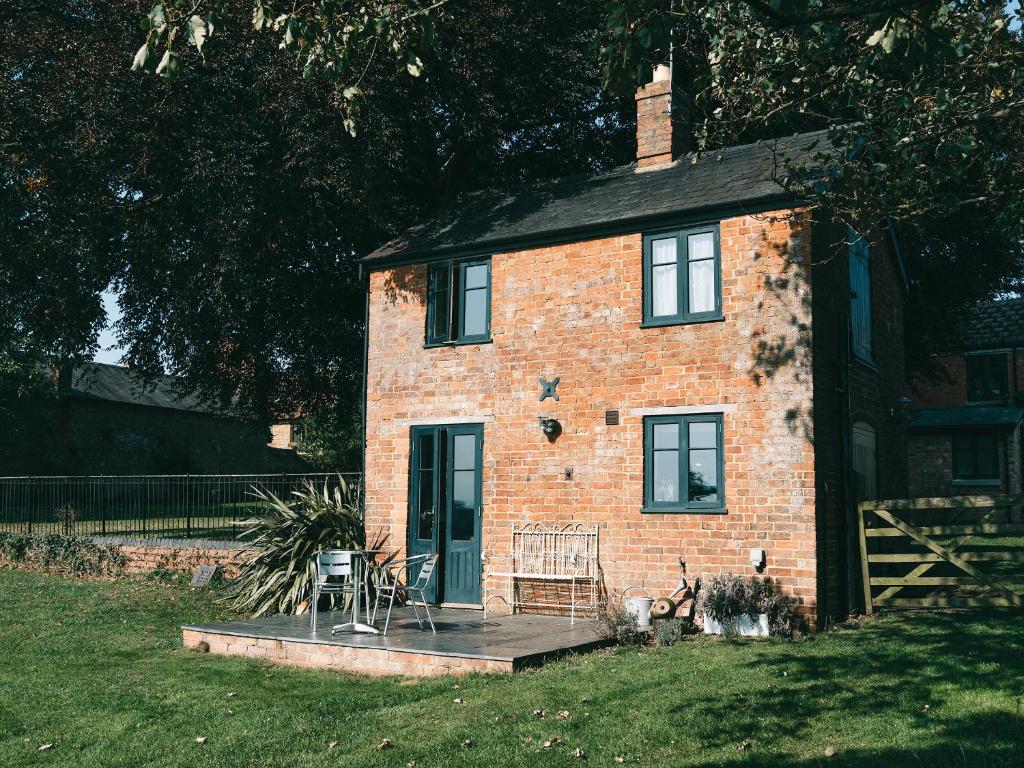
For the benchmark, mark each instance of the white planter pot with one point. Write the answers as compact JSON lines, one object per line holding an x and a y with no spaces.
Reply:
{"x":742,"y":626}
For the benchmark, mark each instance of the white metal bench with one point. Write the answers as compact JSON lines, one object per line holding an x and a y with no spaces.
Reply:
{"x":547,"y":553}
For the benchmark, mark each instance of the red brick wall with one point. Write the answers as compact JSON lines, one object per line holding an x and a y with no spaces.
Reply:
{"x":931,"y":466}
{"x":947,"y":385}
{"x":146,"y":558}
{"x":574,"y":311}
{"x":847,"y":391}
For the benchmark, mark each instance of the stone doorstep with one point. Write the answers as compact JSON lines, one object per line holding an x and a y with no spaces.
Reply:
{"x":367,"y":661}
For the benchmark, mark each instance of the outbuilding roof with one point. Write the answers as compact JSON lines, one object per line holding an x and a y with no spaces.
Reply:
{"x":994,"y":325}
{"x":116,"y":383}
{"x":749,"y":176}
{"x":966,"y":417}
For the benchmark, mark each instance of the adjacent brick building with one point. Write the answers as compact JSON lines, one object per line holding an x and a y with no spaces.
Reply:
{"x":100,"y":420}
{"x":728,"y":372}
{"x":966,"y":431}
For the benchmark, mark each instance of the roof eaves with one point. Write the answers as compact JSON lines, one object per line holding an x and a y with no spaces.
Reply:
{"x":589,"y":231}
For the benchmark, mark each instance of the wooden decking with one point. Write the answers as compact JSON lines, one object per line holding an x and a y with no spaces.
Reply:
{"x":465,"y":642}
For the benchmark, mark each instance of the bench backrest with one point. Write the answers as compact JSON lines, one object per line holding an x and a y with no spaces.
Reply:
{"x":545,"y":550}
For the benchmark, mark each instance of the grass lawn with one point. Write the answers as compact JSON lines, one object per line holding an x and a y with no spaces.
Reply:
{"x":96,"y":669}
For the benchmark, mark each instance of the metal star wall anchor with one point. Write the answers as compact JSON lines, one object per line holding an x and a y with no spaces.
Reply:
{"x":548,"y":388}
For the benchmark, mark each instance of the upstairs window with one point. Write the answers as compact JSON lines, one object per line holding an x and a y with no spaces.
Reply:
{"x":683,"y":463}
{"x":459,"y":302}
{"x":682,"y":277}
{"x":860,"y":296}
{"x":986,"y":378}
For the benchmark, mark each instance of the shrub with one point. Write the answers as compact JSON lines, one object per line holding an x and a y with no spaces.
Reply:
{"x":277,"y":573}
{"x":622,"y":626}
{"x":60,"y":554}
{"x":727,"y":597}
{"x":672,"y":630}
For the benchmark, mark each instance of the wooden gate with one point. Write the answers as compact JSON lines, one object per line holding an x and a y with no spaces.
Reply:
{"x":959,"y":552}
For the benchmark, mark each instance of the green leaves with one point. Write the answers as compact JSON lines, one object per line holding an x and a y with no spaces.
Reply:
{"x":139,"y":62}
{"x":197,"y":32}
{"x":893,"y":30}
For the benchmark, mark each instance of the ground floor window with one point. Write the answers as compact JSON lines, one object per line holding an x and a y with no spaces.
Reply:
{"x":683,"y":463}
{"x":975,"y":457}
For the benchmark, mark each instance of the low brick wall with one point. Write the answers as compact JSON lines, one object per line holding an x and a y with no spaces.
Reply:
{"x":367,"y":661}
{"x":148,"y":555}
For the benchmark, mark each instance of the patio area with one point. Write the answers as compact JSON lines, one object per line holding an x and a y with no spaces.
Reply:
{"x":465,"y":642}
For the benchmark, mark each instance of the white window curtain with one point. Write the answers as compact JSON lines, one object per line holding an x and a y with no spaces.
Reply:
{"x":701,"y":276}
{"x":664,"y":278}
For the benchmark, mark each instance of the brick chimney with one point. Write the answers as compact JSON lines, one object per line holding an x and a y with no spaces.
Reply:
{"x":658,"y":142}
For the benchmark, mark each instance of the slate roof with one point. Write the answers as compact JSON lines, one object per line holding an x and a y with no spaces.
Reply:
{"x":995,"y":325}
{"x":966,"y":416}
{"x":115,"y":383}
{"x":743,"y":176}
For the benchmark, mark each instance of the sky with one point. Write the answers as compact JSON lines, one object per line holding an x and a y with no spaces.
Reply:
{"x":109,"y":352}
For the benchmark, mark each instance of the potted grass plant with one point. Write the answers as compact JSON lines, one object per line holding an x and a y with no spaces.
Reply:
{"x":745,"y":607}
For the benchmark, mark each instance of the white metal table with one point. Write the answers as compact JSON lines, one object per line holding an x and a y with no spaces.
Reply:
{"x":360,"y":557}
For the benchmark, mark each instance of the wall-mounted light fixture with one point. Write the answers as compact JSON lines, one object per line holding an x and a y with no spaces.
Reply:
{"x":900,"y":407}
{"x":550,"y":426}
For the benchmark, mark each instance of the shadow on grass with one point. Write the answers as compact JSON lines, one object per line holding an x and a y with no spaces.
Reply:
{"x":924,"y":680}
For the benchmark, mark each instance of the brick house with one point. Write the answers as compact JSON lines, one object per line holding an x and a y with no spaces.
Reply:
{"x":99,"y":420}
{"x":966,"y":431}
{"x":702,"y":327}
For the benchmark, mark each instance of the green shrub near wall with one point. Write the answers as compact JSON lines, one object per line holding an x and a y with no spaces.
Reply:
{"x":60,"y":554}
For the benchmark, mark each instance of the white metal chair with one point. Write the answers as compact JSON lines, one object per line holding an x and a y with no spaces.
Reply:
{"x":337,"y":564}
{"x":415,"y":589}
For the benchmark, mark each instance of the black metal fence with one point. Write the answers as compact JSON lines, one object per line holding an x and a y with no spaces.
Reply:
{"x":151,"y":506}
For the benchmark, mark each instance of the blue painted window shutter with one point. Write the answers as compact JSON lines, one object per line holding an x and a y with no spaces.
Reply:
{"x":860,"y":296}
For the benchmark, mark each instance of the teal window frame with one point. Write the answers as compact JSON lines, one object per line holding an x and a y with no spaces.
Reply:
{"x":683,"y":314}
{"x":684,"y":505}
{"x":862,"y":316}
{"x":446,"y":303}
{"x":972,"y":441}
{"x":996,"y":370}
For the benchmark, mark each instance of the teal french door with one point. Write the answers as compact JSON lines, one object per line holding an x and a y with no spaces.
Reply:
{"x":445,"y":507}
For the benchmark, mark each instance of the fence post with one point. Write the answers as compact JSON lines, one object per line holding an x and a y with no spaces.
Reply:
{"x":188,"y":512}
{"x":868,"y":606}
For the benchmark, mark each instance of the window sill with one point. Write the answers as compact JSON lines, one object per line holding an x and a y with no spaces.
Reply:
{"x":865,"y":362}
{"x":685,"y":321}
{"x":468,"y":343}
{"x":960,"y":482}
{"x":684,"y":511}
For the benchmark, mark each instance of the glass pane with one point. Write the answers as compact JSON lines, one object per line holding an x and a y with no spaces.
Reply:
{"x":963,"y":466}
{"x":702,"y":286}
{"x":440,"y":304}
{"x":463,"y":504}
{"x":666,"y":476}
{"x":425,"y":451}
{"x":426,"y":506}
{"x":986,"y":457}
{"x":703,"y":475}
{"x":465,"y":452}
{"x":703,"y":434}
{"x":666,"y":436}
{"x":663,"y":251}
{"x":664,"y":300}
{"x":476,"y":276}
{"x":475,"y":318}
{"x":701,"y":246}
